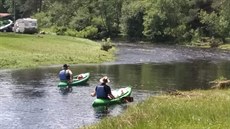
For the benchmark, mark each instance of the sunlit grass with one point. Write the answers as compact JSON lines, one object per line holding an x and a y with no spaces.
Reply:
{"x":189,"y":110}
{"x":21,"y":51}
{"x":225,"y":46}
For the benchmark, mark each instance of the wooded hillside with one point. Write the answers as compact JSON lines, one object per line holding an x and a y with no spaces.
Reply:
{"x":174,"y":21}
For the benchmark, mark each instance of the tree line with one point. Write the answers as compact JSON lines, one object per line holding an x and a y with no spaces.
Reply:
{"x":174,"y":21}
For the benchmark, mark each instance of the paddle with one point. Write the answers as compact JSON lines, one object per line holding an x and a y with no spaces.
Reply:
{"x":127,"y":99}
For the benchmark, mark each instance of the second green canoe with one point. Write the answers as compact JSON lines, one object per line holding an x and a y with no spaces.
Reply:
{"x":79,"y":79}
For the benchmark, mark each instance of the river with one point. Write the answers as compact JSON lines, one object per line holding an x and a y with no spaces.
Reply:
{"x":30,"y":98}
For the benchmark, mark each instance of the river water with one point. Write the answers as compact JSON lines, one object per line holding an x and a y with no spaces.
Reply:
{"x":30,"y":98}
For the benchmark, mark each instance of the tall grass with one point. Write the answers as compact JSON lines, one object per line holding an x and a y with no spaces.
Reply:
{"x":190,"y":110}
{"x":21,"y":51}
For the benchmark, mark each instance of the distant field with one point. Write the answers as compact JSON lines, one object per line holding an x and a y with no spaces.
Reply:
{"x":23,"y":51}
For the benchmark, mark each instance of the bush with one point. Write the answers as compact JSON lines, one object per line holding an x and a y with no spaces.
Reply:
{"x":71,"y":32}
{"x":60,"y":30}
{"x":106,"y":44}
{"x":44,"y":20}
{"x":214,"y":42}
{"x":89,"y":32}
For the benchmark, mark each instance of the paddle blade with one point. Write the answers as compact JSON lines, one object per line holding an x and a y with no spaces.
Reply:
{"x":127,"y":99}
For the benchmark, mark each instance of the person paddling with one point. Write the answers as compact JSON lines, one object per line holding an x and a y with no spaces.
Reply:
{"x":103,"y":91}
{"x":66,"y":75}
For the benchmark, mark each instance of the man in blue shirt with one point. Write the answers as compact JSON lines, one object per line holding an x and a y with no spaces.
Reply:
{"x":103,"y":91}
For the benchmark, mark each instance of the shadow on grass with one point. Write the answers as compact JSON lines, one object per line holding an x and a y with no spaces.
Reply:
{"x":11,"y":35}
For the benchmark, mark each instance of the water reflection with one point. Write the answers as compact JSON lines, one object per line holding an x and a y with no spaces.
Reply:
{"x":101,"y":111}
{"x":105,"y":111}
{"x":154,"y":77}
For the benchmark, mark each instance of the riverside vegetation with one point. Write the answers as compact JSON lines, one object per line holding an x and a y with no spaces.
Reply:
{"x":198,"y":109}
{"x":162,"y":21}
{"x":24,"y":51}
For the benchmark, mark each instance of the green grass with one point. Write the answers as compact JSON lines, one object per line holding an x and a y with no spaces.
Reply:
{"x":225,"y":46}
{"x":23,"y":51}
{"x":189,"y":110}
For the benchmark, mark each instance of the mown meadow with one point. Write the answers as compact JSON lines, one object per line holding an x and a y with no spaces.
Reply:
{"x":24,"y":51}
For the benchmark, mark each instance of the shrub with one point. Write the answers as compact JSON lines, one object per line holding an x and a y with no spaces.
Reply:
{"x":106,"y":44}
{"x":60,"y":30}
{"x":89,"y":32}
{"x":44,"y":20}
{"x":215,"y":42}
{"x":71,"y":32}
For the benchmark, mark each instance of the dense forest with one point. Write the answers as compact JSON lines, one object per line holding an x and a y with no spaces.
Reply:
{"x":174,"y":21}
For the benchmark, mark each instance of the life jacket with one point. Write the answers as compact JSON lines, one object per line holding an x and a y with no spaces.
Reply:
{"x":100,"y":92}
{"x":64,"y":75}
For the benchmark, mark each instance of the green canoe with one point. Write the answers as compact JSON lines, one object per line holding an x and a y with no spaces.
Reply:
{"x":79,"y":79}
{"x":120,"y":94}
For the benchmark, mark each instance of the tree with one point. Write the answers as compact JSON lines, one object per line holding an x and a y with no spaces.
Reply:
{"x":23,"y":8}
{"x":110,"y":13}
{"x":216,"y":20}
{"x":166,"y":20}
{"x":132,"y":19}
{"x":2,"y":7}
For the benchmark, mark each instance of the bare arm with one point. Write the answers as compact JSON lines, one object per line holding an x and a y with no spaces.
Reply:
{"x":111,"y":96}
{"x":93,"y":94}
{"x":71,"y":75}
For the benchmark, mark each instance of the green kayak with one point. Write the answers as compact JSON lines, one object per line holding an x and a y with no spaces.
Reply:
{"x":79,"y":79}
{"x":119,"y":95}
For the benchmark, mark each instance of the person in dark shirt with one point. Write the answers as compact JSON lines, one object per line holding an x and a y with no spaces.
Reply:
{"x":103,"y":91}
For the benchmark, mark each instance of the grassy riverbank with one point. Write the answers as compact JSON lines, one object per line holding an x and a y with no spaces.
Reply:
{"x":187,"y":110}
{"x":23,"y":51}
